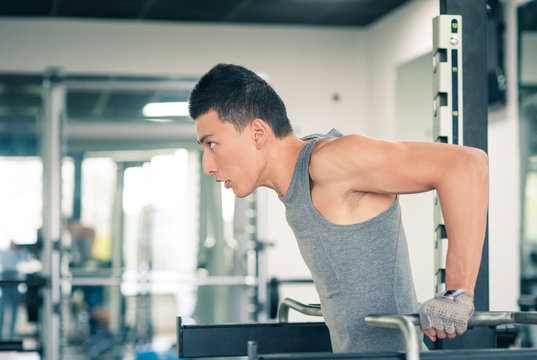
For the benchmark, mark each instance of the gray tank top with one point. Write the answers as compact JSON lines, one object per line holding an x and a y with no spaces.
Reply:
{"x":357,"y":269}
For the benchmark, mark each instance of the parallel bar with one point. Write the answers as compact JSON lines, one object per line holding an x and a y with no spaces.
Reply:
{"x":485,"y":354}
{"x":479,"y":318}
{"x":287,"y":303}
{"x":407,"y":324}
{"x":195,"y":341}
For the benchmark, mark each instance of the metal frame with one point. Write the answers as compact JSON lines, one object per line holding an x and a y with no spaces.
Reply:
{"x":475,"y":110}
{"x":407,"y":325}
{"x":55,"y":131}
{"x":447,"y":117}
{"x":484,"y":354}
{"x":54,"y":99}
{"x":280,"y":339}
{"x":286,"y":304}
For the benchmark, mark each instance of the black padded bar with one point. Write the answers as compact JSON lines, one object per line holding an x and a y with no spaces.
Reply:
{"x":7,"y":345}
{"x":473,"y":354}
{"x":222,"y":340}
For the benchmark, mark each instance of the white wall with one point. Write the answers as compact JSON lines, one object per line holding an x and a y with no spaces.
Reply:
{"x":397,"y":38}
{"x":305,"y":65}
{"x":414,"y":82}
{"x":504,"y":158}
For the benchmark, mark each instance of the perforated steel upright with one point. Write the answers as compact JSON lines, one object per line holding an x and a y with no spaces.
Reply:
{"x":461,"y":117}
{"x":447,"y":114}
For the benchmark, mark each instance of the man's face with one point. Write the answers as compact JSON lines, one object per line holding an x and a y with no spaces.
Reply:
{"x":228,"y":154}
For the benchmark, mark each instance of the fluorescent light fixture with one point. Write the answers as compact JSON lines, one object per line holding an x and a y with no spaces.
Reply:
{"x":166,"y":109}
{"x":159,"y":120}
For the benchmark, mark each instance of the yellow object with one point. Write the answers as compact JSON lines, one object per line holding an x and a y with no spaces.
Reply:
{"x":102,"y":247}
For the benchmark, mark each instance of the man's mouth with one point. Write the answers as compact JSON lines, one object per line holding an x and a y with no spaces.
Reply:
{"x":227,"y":183}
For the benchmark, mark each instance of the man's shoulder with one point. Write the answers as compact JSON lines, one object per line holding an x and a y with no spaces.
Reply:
{"x":331,"y":158}
{"x":337,"y":147}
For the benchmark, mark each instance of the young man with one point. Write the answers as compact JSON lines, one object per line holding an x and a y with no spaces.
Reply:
{"x":341,"y":198}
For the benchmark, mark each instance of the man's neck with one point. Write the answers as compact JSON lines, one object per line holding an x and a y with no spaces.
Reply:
{"x":281,"y":158}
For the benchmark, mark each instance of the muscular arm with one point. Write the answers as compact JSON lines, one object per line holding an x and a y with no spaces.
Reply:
{"x":458,"y":173}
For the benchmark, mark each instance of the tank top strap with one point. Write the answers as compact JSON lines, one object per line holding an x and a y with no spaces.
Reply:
{"x":298,"y":189}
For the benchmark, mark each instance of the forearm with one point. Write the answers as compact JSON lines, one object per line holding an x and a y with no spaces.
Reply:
{"x":464,"y":200}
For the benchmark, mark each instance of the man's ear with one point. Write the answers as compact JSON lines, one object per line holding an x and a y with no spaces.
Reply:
{"x":259,"y":130}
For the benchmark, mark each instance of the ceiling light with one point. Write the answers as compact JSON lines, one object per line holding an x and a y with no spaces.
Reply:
{"x":160,"y":120}
{"x":166,"y":109}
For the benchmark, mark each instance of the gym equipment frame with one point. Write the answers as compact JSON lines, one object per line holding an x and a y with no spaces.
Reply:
{"x":310,"y":341}
{"x":460,"y":116}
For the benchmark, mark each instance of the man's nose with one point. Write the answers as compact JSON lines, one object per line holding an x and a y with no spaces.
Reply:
{"x":208,"y":163}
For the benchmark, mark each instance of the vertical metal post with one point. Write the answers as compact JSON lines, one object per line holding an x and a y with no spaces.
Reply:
{"x":213,"y":302}
{"x":117,"y":250}
{"x":252,"y":350}
{"x":51,"y":145}
{"x":256,"y":262}
{"x":447,"y":117}
{"x":259,"y":300}
{"x":475,"y":110}
{"x":77,"y":193}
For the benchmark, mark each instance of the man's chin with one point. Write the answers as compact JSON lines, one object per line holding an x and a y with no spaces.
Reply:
{"x":240,"y":194}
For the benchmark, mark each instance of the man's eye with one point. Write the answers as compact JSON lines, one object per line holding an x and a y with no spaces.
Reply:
{"x":211,"y":145}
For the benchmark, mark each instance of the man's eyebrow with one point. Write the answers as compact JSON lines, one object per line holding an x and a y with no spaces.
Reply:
{"x":203,"y":138}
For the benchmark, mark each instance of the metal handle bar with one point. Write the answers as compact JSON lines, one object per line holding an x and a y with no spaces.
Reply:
{"x":287,"y":303}
{"x":406,"y":323}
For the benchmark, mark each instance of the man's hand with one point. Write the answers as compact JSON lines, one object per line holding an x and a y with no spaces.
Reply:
{"x":446,"y":315}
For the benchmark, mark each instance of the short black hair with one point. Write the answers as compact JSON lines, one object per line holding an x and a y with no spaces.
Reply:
{"x":239,"y":96}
